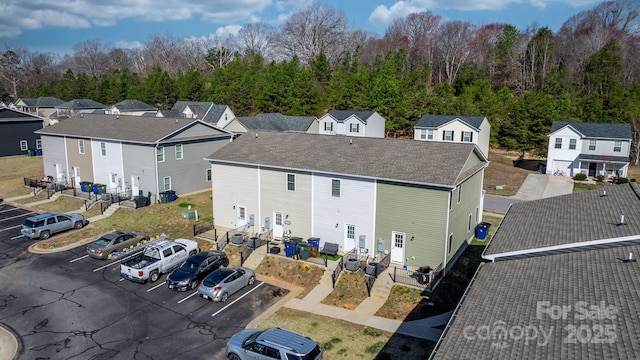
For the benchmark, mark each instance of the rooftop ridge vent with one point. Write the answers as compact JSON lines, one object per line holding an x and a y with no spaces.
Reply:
{"x":621,"y":221}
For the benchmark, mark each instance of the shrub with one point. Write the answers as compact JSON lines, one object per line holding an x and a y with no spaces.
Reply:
{"x":580,"y":177}
{"x":623,"y":180}
{"x":600,"y":178}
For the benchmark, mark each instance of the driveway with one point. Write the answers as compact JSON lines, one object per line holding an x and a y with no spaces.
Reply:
{"x":535,"y":186}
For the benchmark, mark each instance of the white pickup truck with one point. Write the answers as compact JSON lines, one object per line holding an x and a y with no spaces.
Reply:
{"x":157,"y":259}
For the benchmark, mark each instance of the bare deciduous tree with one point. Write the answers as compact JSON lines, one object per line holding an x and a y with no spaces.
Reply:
{"x":256,"y":38}
{"x":13,"y":70}
{"x":89,"y":59}
{"x":454,"y":46}
{"x":418,"y":31}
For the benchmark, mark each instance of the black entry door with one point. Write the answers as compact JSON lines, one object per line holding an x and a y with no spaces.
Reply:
{"x":592,"y":169}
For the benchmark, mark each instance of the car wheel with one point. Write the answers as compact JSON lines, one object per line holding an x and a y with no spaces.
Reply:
{"x":233,"y":356}
{"x":251,"y":280}
{"x":225,"y":263}
{"x":45,"y":235}
{"x":154,"y":276}
{"x":193,"y":285}
{"x":78,"y":225}
{"x":224,"y":297}
{"x":193,"y":252}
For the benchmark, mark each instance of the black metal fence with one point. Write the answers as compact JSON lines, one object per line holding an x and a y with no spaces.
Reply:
{"x":336,"y":272}
{"x":424,"y":277}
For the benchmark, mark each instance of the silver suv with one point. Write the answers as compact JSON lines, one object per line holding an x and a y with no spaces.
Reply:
{"x":274,"y":343}
{"x":44,"y":225}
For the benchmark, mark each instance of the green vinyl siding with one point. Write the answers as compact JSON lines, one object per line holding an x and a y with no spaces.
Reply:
{"x":459,"y":214}
{"x":421,"y":213}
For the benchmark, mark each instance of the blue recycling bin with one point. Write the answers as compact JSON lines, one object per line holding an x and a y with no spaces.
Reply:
{"x":38,"y":152}
{"x":482,"y":229}
{"x":290,"y":248}
{"x":314,"y":242}
{"x":172,"y":195}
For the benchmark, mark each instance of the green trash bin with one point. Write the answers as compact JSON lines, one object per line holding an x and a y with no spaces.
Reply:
{"x":304,"y":250}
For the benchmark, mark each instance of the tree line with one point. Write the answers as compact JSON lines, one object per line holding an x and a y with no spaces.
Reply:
{"x":521,"y":80}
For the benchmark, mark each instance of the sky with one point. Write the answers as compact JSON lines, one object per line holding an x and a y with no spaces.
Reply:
{"x":55,"y":26}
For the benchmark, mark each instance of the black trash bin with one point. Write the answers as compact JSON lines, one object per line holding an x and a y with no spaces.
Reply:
{"x":482,"y":229}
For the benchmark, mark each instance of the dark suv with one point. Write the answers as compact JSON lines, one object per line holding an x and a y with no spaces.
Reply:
{"x":274,"y":343}
{"x":44,"y":225}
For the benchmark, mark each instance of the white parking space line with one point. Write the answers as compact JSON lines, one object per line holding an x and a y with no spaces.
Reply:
{"x":11,"y":228}
{"x":80,"y":258}
{"x":238,"y":299}
{"x":16,"y":237}
{"x":17,"y":216}
{"x":12,"y":209}
{"x":157,"y":286}
{"x":188,"y":297}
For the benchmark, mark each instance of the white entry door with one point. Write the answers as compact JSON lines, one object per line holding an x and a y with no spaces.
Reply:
{"x":59,"y":173}
{"x":349,"y":237}
{"x":397,"y":246}
{"x":242,"y":216}
{"x":135,"y":185}
{"x":76,"y":175}
{"x":278,"y":229}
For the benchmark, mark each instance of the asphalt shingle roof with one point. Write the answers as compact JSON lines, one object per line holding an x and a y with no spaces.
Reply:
{"x":423,"y":162}
{"x":141,"y":129}
{"x":568,"y":219}
{"x":434,"y":121}
{"x":10,"y":115}
{"x":134,"y":105}
{"x":205,"y":111}
{"x":342,"y":115}
{"x":596,"y":130}
{"x":507,"y":295}
{"x":82,"y":104}
{"x":43,"y":101}
{"x":276,"y":122}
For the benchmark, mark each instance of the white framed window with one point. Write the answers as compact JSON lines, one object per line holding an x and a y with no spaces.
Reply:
{"x":81,"y":146}
{"x":617,"y":146}
{"x":114,"y":178}
{"x":167,"y":183}
{"x":328,"y":126}
{"x":39,"y":144}
{"x":430,"y":134}
{"x":335,"y":187}
{"x":592,"y":145}
{"x":351,"y":232}
{"x":208,"y":174}
{"x":558,"y":144}
{"x":103,"y":149}
{"x":450,"y":244}
{"x":160,"y":154}
{"x":423,"y":134}
{"x":572,"y":144}
{"x":354,"y":128}
{"x":179,"y":152}
{"x":291,"y":182}
{"x":459,"y":193}
{"x":469,"y":223}
{"x":447,"y":135}
{"x":467,"y":136}
{"x":24,"y":146}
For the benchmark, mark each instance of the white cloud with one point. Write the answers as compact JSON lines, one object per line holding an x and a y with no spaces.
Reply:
{"x":383,"y":16}
{"x":225,"y":31}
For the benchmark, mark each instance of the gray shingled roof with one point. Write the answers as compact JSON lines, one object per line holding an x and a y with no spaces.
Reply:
{"x":434,"y":121}
{"x":342,"y":115}
{"x":134,"y":105}
{"x":43,"y":101}
{"x":604,"y":158}
{"x":205,"y":111}
{"x":511,"y":291}
{"x":569,"y":219}
{"x":130,"y":128}
{"x":276,"y":122}
{"x":423,"y":162}
{"x":596,"y":130}
{"x":10,"y":115}
{"x":82,"y":104}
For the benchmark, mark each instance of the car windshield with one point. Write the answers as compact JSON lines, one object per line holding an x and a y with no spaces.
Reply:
{"x":102,"y":242}
{"x":190,"y":267}
{"x":251,"y":338}
{"x":216,"y":277}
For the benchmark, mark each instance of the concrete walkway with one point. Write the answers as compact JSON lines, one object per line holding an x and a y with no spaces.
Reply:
{"x":540,"y":186}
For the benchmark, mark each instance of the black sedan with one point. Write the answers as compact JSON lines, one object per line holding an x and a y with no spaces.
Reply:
{"x":196,"y":268}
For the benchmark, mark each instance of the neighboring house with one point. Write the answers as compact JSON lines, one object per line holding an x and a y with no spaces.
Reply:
{"x":132,"y":154}
{"x":44,"y":106}
{"x":352,"y":123}
{"x":560,"y":284}
{"x":273,"y":122}
{"x":589,"y":148}
{"x":219,"y":115}
{"x":77,"y":106}
{"x":418,"y":201}
{"x":17,"y":135}
{"x":451,"y":128}
{"x":131,"y":107}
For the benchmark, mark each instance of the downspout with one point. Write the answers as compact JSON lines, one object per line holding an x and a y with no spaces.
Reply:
{"x":155,"y":162}
{"x":446,"y":235}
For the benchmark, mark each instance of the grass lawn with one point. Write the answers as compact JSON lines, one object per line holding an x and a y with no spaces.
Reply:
{"x":14,"y":170}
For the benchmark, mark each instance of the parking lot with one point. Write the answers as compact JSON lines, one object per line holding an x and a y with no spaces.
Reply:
{"x":66,"y":305}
